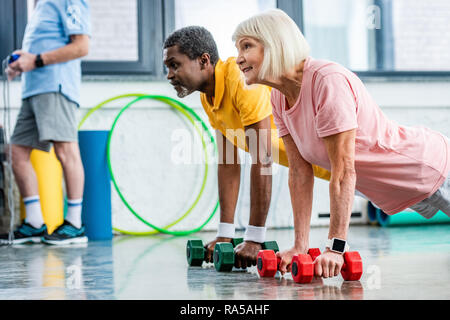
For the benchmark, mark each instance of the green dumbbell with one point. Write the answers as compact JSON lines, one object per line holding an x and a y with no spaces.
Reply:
{"x":270,"y":245}
{"x":196,"y":252}
{"x":224,"y":253}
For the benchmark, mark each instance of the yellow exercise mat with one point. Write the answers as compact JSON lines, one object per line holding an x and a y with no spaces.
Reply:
{"x":50,"y":178}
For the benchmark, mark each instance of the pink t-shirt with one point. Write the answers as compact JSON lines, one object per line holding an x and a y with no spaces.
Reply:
{"x":396,"y":166}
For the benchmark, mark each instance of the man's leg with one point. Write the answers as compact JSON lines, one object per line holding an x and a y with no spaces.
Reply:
{"x":23,"y":140}
{"x":72,"y":230}
{"x":25,"y":137}
{"x":68,"y":154}
{"x":57,"y":123}
{"x":28,"y":186}
{"x":23,"y":171}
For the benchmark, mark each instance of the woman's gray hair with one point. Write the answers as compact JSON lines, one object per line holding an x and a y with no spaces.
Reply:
{"x":284,"y":44}
{"x":193,"y":41}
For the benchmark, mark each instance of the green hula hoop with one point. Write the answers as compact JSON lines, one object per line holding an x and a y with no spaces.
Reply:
{"x":181,"y":108}
{"x":100,"y":105}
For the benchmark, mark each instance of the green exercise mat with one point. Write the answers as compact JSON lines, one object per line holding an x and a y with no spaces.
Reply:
{"x":409,"y":217}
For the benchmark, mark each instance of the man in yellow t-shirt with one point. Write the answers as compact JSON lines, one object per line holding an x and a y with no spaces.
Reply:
{"x":242,"y":118}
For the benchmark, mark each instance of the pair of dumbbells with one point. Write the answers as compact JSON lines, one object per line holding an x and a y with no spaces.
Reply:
{"x":196,"y":252}
{"x":223,"y":257}
{"x":302,"y":265}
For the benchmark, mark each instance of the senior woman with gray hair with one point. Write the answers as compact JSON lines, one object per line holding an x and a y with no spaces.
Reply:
{"x":326,"y":117}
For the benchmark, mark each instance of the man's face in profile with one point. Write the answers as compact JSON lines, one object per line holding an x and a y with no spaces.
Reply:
{"x":184,"y":74}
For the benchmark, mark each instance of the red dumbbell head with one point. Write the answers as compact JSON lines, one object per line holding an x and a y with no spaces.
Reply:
{"x":267,"y":263}
{"x":353,"y":267}
{"x":302,"y":268}
{"x":314,"y":253}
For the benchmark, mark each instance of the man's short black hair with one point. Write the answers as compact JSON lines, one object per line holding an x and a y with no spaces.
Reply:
{"x":194,"y":41}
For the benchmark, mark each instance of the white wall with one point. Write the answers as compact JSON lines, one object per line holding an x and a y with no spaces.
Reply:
{"x":161,"y":191}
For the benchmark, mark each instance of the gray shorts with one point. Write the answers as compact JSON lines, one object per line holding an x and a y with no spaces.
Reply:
{"x":45,"y":118}
{"x":440,"y":200}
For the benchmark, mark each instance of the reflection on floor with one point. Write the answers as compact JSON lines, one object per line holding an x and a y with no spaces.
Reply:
{"x":399,"y":263}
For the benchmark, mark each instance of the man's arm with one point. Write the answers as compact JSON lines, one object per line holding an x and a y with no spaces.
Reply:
{"x":229,"y":178}
{"x":259,"y":144}
{"x":341,"y":152}
{"x":301,"y":184}
{"x":77,"y":48}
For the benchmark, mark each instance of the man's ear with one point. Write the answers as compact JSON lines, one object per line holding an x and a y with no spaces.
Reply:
{"x":205,"y":60}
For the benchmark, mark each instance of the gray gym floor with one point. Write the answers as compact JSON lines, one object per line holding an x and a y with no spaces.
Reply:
{"x":399,"y":263}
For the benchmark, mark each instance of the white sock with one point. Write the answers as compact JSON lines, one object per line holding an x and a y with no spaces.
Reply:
{"x":73,"y":215}
{"x":33,"y":211}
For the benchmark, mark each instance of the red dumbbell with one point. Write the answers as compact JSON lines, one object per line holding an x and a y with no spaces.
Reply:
{"x":267,"y":263}
{"x":303,"y":268}
{"x":302,"y":265}
{"x":353,"y":268}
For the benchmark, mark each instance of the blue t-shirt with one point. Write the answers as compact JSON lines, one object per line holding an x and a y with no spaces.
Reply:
{"x":50,"y":28}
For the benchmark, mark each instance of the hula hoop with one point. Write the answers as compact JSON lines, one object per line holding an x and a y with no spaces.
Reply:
{"x":100,"y":105}
{"x":181,"y":108}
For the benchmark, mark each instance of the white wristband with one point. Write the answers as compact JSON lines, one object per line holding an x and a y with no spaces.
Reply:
{"x":225,"y":230}
{"x":255,"y":234}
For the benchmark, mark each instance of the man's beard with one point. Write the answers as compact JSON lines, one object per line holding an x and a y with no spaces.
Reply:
{"x":183,"y":92}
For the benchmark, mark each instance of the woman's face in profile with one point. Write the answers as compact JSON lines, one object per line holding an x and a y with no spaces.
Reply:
{"x":250,"y":58}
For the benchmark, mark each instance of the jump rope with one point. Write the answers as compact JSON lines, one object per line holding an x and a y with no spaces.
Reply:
{"x":6,"y":132}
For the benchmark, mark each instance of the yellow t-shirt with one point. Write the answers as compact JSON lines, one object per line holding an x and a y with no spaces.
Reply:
{"x":235,"y":106}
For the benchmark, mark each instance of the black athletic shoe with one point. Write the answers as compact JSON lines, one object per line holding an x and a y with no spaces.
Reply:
{"x":25,"y":233}
{"x":65,"y":234}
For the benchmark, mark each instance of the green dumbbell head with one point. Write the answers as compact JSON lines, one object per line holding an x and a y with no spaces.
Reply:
{"x":195,"y":253}
{"x":237,"y":241}
{"x":223,"y":256}
{"x":270,"y":245}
